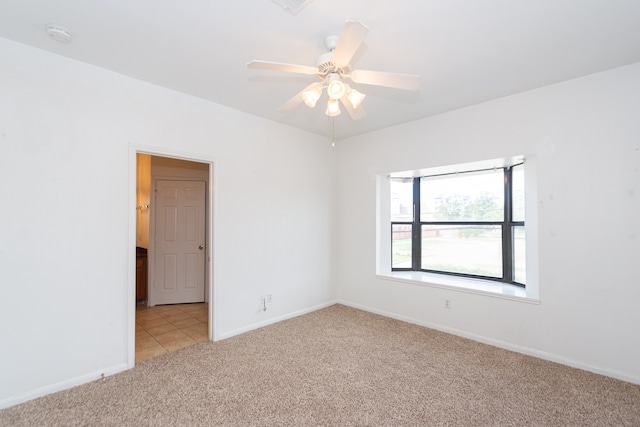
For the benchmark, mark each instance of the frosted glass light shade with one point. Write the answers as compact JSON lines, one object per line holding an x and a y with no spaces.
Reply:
{"x":333,"y":109}
{"x":336,"y":88}
{"x":355,"y":97}
{"x":311,"y":96}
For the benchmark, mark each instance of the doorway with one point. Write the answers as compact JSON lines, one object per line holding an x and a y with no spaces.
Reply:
{"x":172,"y":236}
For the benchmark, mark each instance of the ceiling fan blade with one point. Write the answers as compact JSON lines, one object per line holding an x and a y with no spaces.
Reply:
{"x":349,"y":41}
{"x":278,"y":66}
{"x":297,"y":99}
{"x":380,"y":78}
{"x":355,"y":113}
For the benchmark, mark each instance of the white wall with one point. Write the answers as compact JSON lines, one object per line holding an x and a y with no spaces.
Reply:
{"x":66,"y":131}
{"x":585,"y":135}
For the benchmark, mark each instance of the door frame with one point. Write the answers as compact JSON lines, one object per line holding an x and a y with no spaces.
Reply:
{"x":134,"y":150}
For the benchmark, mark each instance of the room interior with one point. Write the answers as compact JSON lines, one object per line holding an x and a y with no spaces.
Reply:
{"x":294,"y":197}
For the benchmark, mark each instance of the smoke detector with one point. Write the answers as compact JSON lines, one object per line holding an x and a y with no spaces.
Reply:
{"x":292,"y":6}
{"x":58,"y":33}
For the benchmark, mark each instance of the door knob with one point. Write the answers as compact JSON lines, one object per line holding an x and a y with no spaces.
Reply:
{"x":201,"y":247}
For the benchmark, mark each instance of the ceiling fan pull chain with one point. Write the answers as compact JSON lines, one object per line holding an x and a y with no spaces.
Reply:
{"x":333,"y":131}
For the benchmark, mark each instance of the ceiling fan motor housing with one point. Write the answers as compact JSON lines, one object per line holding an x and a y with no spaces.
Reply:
{"x":326,"y":67}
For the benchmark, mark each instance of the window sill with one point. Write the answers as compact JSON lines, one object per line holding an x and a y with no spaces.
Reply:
{"x":462,"y":284}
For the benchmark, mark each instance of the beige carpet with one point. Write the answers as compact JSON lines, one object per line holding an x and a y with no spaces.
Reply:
{"x":340,"y":367}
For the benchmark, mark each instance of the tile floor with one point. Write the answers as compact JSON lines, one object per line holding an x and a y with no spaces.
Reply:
{"x":166,"y":328}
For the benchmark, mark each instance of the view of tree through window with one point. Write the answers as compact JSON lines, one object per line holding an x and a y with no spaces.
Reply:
{"x":469,"y":224}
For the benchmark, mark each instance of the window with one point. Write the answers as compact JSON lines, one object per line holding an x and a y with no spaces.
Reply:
{"x":467,"y":224}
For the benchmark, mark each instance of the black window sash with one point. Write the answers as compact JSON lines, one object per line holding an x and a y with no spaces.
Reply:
{"x":506,"y":225}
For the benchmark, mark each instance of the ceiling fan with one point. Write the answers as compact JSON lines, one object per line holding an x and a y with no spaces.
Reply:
{"x":333,"y":69}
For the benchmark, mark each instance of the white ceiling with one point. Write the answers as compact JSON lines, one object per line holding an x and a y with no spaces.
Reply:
{"x":466,"y":51}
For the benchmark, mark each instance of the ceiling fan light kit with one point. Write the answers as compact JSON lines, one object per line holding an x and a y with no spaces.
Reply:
{"x":336,"y":90}
{"x":332,"y":68}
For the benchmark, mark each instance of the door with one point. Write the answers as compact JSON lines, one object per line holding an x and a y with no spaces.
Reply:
{"x":179,"y":255}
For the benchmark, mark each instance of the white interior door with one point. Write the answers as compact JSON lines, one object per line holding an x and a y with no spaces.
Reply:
{"x":179,"y":255}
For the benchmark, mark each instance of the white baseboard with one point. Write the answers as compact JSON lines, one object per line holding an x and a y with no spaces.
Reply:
{"x":94,"y":376}
{"x":502,"y":344}
{"x":63,"y":385}
{"x":271,"y":321}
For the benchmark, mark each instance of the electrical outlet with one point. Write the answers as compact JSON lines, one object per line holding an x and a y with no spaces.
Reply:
{"x":447,"y":303}
{"x":269,"y":297}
